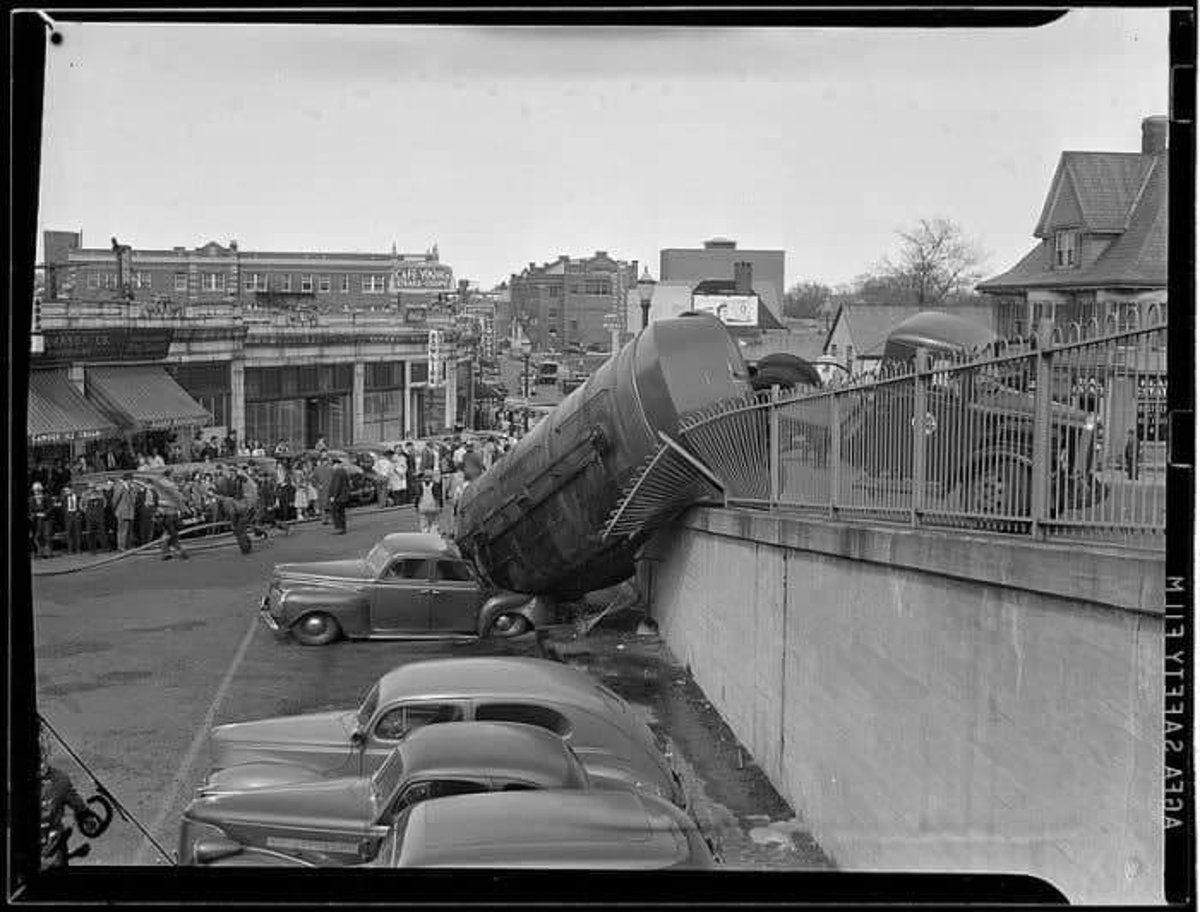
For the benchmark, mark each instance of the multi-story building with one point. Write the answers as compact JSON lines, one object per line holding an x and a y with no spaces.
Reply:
{"x":1102,"y":240}
{"x":571,"y":301}
{"x":115,"y":360}
{"x":255,"y":279}
{"x":718,"y":260}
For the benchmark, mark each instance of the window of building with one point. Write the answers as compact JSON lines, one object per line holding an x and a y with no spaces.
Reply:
{"x":383,"y":415}
{"x":1066,"y":248}
{"x":345,"y":284}
{"x":556,"y":291}
{"x":93,"y":280}
{"x":181,"y":281}
{"x":552,"y":313}
{"x":110,"y":280}
{"x":324,"y":284}
{"x":574,"y":288}
{"x":306,"y":283}
{"x":285,"y":282}
{"x":374,"y":284}
{"x":144,"y":281}
{"x":256,"y":281}
{"x":212,"y":281}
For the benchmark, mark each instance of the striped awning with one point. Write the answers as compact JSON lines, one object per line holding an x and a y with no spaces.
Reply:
{"x":143,"y":397}
{"x":58,"y":412}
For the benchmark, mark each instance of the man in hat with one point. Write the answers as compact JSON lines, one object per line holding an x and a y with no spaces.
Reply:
{"x":95,"y":504}
{"x":339,"y":496}
{"x":230,"y":497}
{"x":170,"y":506}
{"x":41,"y":520}
{"x":125,"y":508}
{"x":322,"y":476}
{"x":72,"y":507}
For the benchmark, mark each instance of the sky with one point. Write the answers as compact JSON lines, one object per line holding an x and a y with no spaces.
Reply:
{"x":506,"y":146}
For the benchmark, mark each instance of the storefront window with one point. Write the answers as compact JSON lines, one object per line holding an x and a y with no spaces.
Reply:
{"x":383,"y":415}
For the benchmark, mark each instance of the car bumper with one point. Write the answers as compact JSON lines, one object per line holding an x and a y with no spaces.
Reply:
{"x":265,"y":616}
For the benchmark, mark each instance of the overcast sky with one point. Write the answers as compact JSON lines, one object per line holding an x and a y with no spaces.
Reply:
{"x":506,"y":146}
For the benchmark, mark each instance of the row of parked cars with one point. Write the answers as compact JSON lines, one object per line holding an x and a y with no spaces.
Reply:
{"x":494,"y":762}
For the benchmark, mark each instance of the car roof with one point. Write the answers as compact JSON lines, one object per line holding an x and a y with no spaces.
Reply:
{"x":501,"y":749}
{"x":501,"y":677}
{"x":579,"y":826}
{"x":419,"y":543}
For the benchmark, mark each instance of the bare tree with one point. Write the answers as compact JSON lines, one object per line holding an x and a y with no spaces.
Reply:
{"x":936,"y":263}
{"x":805,"y":299}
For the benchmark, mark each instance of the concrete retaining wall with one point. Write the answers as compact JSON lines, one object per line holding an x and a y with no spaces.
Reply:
{"x":919,"y":720}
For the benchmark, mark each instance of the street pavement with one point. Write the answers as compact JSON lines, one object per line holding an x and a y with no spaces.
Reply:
{"x":137,"y":659}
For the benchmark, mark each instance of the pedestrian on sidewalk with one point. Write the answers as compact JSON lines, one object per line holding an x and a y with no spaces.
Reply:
{"x":383,"y":473}
{"x":233,"y":509}
{"x":94,"y":506}
{"x":72,"y":506}
{"x":339,"y":495}
{"x":125,"y":509}
{"x":397,"y":479}
{"x":147,"y":508}
{"x":429,"y":502}
{"x":1133,"y":455}
{"x":40,"y":520}
{"x":322,"y":476}
{"x":170,"y":505}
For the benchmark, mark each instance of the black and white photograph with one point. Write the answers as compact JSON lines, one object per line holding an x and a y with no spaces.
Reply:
{"x":756,"y":440}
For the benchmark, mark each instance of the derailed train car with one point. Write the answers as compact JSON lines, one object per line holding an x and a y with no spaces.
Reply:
{"x":535,"y":522}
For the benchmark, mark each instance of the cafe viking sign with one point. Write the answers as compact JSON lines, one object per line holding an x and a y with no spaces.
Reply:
{"x":118,"y":344}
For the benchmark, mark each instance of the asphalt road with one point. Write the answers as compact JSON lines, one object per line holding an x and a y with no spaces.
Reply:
{"x":138,"y":659}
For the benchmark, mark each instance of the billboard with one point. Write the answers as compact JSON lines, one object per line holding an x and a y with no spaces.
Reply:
{"x":422,"y":278}
{"x":435,"y":358}
{"x":732,"y":310}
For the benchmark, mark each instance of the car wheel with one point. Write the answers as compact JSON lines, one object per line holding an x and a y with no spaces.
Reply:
{"x":316,"y":629}
{"x":509,"y":625}
{"x":1002,"y":485}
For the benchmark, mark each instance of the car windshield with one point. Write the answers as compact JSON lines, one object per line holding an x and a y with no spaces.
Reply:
{"x":377,"y":559}
{"x":367,"y":710}
{"x":388,"y":776}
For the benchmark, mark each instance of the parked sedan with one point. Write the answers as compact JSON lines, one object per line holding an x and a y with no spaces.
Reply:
{"x":607,"y":734}
{"x":546,"y":829}
{"x":296,"y":810}
{"x":410,"y":585}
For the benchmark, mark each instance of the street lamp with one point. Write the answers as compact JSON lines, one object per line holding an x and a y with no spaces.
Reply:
{"x":645,"y":287}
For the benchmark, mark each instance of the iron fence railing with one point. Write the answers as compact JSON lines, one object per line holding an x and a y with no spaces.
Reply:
{"x":1058,"y":436}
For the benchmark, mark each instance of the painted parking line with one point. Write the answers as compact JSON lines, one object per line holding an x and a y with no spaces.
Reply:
{"x":189,"y":760}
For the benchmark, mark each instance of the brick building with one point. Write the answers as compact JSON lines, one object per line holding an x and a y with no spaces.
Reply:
{"x":718,"y":260}
{"x":569,"y":301}
{"x":269,"y":346}
{"x":216,"y":273}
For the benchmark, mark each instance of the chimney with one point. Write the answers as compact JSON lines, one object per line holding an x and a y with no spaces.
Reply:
{"x":233,"y":246}
{"x":1154,"y":135}
{"x":720,"y":244}
{"x":742,"y":283}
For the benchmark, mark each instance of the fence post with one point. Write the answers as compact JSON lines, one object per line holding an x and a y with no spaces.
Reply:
{"x":834,"y":452}
{"x":1042,"y":467}
{"x":920,"y":407}
{"x":774,"y":449}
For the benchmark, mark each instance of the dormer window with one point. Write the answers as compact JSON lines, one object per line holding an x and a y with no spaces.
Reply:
{"x":1066,"y":248}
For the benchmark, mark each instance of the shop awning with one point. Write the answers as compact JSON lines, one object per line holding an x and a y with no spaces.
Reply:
{"x":58,"y":412}
{"x":144,"y":397}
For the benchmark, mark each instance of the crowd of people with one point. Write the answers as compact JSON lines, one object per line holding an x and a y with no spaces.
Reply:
{"x":155,"y":499}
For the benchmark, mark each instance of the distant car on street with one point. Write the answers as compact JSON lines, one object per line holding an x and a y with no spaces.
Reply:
{"x":409,"y":585}
{"x":297,"y":810}
{"x":609,"y":736}
{"x":546,"y":829}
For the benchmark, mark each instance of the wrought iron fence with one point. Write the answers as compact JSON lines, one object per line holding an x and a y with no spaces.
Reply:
{"x":1055,"y":436}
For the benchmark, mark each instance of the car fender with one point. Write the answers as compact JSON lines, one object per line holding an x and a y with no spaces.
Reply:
{"x":537,"y":609}
{"x":349,"y":607}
